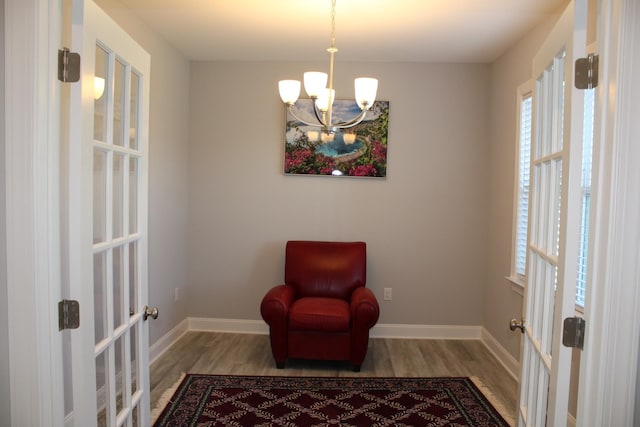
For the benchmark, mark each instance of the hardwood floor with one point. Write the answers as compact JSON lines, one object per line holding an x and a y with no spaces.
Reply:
{"x":245,"y":354}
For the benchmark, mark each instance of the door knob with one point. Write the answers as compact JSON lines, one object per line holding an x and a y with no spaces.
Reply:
{"x":514,"y":324}
{"x":150,"y":312}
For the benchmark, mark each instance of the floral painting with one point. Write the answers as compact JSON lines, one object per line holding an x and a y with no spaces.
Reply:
{"x":357,"y":151}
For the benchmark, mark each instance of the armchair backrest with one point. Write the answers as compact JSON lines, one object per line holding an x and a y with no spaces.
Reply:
{"x":325,"y":269}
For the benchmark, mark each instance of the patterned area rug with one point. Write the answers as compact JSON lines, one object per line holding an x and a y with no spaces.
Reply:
{"x":221,"y":400}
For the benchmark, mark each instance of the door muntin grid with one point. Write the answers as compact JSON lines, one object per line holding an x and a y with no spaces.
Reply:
{"x":545,"y":214}
{"x":116,"y":240}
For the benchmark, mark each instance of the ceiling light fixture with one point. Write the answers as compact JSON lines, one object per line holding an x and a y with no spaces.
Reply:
{"x":315,"y":84}
{"x":98,"y":87}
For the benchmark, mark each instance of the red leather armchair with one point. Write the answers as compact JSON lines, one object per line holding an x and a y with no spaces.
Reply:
{"x":323,"y":310}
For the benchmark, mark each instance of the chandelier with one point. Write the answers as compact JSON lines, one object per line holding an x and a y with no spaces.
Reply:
{"x":315,"y":84}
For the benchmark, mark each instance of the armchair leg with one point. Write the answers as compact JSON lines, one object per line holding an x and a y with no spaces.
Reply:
{"x":355,"y":368}
{"x":279,"y":365}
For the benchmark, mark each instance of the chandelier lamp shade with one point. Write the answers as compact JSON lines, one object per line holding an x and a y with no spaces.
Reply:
{"x":319,"y":87}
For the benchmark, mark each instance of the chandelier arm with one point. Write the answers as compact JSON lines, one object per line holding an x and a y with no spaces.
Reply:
{"x":317,"y":112}
{"x":320,"y":124}
{"x":356,"y":120}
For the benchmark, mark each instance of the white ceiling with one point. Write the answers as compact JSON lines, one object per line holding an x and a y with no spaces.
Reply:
{"x":366,"y":30}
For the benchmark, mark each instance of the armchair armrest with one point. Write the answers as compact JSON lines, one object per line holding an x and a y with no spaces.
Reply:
{"x":364,"y":308}
{"x":274,"y":310}
{"x":275,"y":305}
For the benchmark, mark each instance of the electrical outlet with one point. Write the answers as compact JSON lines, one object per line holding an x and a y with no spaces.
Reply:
{"x":387,"y":294}
{"x":176,"y":294}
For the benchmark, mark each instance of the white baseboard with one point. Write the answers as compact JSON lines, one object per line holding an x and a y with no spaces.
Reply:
{"x":237,"y":326}
{"x":425,"y":332}
{"x":510,"y":363}
{"x":240,"y":326}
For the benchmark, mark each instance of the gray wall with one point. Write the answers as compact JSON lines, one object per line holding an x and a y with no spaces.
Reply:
{"x":425,"y":224}
{"x":507,"y":73}
{"x":5,"y":397}
{"x":168,"y":161}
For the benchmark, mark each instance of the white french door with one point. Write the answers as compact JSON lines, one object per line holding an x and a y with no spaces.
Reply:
{"x":554,"y":219}
{"x":107,"y":155}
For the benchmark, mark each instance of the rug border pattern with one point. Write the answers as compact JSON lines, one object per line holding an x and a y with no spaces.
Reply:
{"x":332,"y":383}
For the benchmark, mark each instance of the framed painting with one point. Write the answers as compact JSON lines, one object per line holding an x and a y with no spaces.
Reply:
{"x":359,"y":151}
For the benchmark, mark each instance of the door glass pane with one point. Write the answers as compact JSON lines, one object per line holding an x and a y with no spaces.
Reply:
{"x":118,"y":195}
{"x":587,"y":148}
{"x":120,"y":374}
{"x":118,"y":286}
{"x":134,"y":359}
{"x":133,"y":195}
{"x":133,"y":114}
{"x":99,"y":295}
{"x":102,"y":391}
{"x":557,"y":206}
{"x":101,"y":91}
{"x":133,"y":276}
{"x":118,"y":103}
{"x":136,"y":416}
{"x":99,"y":196}
{"x":558,"y":108}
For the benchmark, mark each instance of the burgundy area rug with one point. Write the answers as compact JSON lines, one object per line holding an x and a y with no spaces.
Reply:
{"x":222,"y":400}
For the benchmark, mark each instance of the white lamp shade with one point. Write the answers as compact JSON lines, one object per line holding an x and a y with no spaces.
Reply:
{"x":314,"y":83}
{"x":323,"y":99}
{"x":289,"y":91}
{"x":366,"y":89}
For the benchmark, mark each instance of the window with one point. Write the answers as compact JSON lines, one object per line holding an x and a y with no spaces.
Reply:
{"x":519,"y":257}
{"x":587,"y":148}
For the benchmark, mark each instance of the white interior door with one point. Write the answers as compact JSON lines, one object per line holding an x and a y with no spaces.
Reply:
{"x":107,"y":223}
{"x":554,"y":222}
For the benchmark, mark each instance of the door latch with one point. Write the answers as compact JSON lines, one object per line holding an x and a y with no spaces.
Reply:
{"x":150,"y":312}
{"x":514,"y":324}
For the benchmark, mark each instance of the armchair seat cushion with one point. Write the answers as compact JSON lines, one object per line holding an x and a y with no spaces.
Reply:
{"x":320,"y":314}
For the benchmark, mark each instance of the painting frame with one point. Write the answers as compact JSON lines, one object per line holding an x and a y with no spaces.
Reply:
{"x":358,"y":151}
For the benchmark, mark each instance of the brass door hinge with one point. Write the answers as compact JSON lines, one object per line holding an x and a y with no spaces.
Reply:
{"x":68,"y":66}
{"x":573,"y":332}
{"x":586,"y":72}
{"x":68,"y":314}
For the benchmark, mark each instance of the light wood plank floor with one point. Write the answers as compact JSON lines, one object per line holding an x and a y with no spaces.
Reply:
{"x":246,"y":354}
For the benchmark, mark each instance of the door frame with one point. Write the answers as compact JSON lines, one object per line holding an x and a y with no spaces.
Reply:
{"x":32,"y":127}
{"x":609,"y":364}
{"x":32,"y":210}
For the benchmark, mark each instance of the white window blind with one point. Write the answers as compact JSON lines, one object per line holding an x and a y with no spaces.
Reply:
{"x":587,"y":148}
{"x":522,"y":211}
